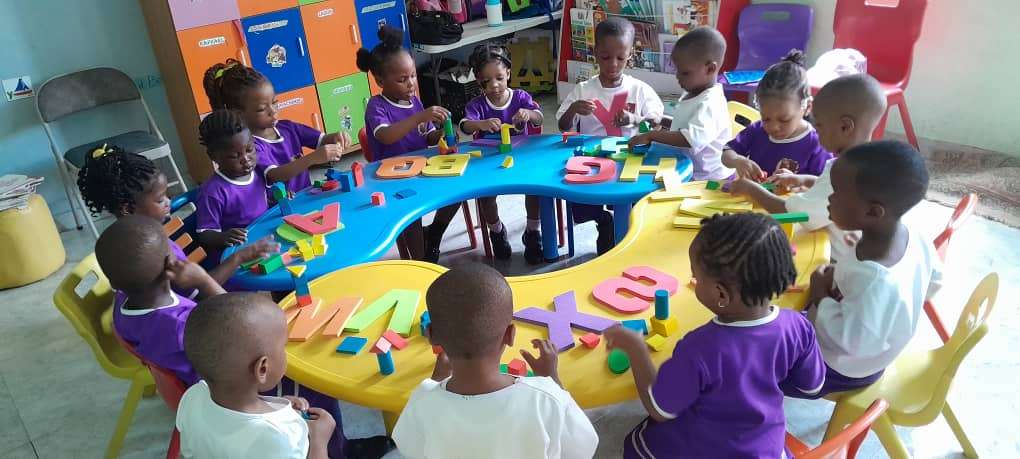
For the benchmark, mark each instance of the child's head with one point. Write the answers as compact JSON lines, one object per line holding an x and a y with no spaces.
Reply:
{"x":229,"y":142}
{"x":614,"y":40}
{"x":740,"y":261}
{"x":697,"y":56}
{"x":237,"y":340}
{"x":132,"y":253}
{"x":491,"y":65}
{"x":471,"y":308}
{"x":391,"y":65}
{"x":847,"y":110}
{"x":784,"y":96}
{"x":876,"y":182}
{"x":123,"y":184}
{"x":239,"y":87}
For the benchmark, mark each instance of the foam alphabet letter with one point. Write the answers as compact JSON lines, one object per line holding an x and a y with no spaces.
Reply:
{"x":400,"y":167}
{"x":404,"y":303}
{"x":562,"y":318}
{"x":608,"y":293}
{"x":579,"y":168}
{"x":311,"y":319}
{"x":446,"y":165}
{"x":634,"y":165}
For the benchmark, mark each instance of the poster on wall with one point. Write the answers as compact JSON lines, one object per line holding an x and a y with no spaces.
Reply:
{"x":18,"y":88}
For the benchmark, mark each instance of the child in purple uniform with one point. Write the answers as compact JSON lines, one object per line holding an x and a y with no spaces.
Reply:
{"x":719,"y":394}
{"x":783,"y":140}
{"x":129,"y":184}
{"x":279,"y":142}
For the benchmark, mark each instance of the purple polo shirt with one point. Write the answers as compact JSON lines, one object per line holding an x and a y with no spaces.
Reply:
{"x":225,"y":203}
{"x":721,"y":387}
{"x":480,"y":108}
{"x":382,"y":112}
{"x":157,"y":334}
{"x":292,"y":137}
{"x":804,"y":151}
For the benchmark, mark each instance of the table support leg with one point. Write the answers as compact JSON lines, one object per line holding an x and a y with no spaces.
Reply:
{"x":390,"y":421}
{"x":547,"y":214}
{"x":621,"y":220}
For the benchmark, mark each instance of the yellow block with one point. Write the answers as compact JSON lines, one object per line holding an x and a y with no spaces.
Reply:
{"x":664,"y":327}
{"x":687,"y":222}
{"x":508,"y":162}
{"x":634,"y":166}
{"x":682,"y":193}
{"x":446,"y":165}
{"x":731,"y":206}
{"x":504,"y":134}
{"x":475,"y":153}
{"x":788,"y":229}
{"x":305,"y":248}
{"x":297,"y":270}
{"x":671,"y":181}
{"x":696,"y":208}
{"x":656,"y":342}
{"x":319,"y":245}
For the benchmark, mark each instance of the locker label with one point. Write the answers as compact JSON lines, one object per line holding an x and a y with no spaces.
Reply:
{"x":377,"y":7}
{"x":343,"y":89}
{"x":267,"y":26}
{"x":290,"y":102}
{"x":214,"y":41}
{"x":325,"y":12}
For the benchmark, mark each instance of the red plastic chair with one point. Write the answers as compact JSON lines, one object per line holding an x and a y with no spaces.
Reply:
{"x":885,"y":31}
{"x":844,"y":445}
{"x":964,"y":209}
{"x":169,"y":387}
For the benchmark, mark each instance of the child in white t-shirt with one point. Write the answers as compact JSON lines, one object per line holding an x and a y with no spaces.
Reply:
{"x":701,"y":120}
{"x":468,"y":408}
{"x":610,"y":103}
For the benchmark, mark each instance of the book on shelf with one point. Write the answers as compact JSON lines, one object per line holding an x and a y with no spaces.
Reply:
{"x":580,"y":71}
{"x":646,"y":46}
{"x":679,"y":16}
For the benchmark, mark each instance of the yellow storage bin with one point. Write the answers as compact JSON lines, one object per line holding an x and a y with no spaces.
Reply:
{"x":30,"y":246}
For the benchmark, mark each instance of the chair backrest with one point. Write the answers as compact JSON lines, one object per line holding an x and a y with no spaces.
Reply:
{"x":366,"y":149}
{"x":169,"y":386}
{"x":885,"y":34}
{"x":185,"y":227}
{"x":964,"y":209}
{"x":86,"y":316}
{"x":770,"y":30}
{"x":741,"y":116}
{"x":846,"y":443}
{"x":83,"y":90}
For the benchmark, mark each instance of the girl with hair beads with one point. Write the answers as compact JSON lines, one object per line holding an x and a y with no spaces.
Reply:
{"x":124,"y":183}
{"x":719,"y":394}
{"x":234,"y":86}
{"x":783,"y":140}
{"x":397,"y":123}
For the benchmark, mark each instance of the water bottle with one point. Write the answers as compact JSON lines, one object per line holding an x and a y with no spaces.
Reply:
{"x":494,"y":12}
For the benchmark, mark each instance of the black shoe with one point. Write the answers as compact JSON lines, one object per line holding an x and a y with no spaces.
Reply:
{"x":500,"y":246}
{"x":607,"y":233}
{"x":368,"y":448}
{"x":532,"y":240}
{"x":432,"y":245}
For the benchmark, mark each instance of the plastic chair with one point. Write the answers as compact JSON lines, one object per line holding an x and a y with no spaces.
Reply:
{"x":964,"y":209}
{"x":844,"y":445}
{"x":766,"y":32}
{"x":741,"y":116}
{"x":186,"y":228}
{"x":86,"y":316}
{"x":886,"y":35}
{"x":83,"y":90}
{"x":916,"y":384}
{"x":170,"y":389}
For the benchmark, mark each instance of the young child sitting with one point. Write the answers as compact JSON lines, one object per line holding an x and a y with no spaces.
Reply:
{"x":846,"y":111}
{"x":868,"y":303}
{"x":135,"y":256}
{"x":719,"y":394}
{"x":236,"y":343}
{"x":280,"y":142}
{"x":468,"y":408}
{"x":397,"y":123}
{"x":783,"y":139}
{"x":129,"y":184}
{"x":610,"y":103}
{"x":701,"y":120}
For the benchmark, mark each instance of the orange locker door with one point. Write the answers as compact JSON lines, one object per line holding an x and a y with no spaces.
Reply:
{"x":333,"y":38}
{"x":300,"y":106}
{"x":204,"y":46}
{"x":253,"y":7}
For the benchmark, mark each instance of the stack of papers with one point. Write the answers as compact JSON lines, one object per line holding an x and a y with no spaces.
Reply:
{"x":16,"y":189}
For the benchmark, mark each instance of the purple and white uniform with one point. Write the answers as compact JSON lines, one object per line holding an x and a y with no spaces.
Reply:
{"x":721,"y":389}
{"x":480,"y":108}
{"x":291,"y":138}
{"x":157,"y":334}
{"x":382,"y":112}
{"x":802,"y":154}
{"x":225,"y":203}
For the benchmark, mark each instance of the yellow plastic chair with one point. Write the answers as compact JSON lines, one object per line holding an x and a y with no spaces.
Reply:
{"x":916,"y":384}
{"x":743,"y":111}
{"x":86,"y":316}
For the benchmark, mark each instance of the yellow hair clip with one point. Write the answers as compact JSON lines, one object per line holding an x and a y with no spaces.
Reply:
{"x":100,"y":152}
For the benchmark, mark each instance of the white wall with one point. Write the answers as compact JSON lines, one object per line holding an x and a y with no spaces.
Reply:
{"x":966,"y":64}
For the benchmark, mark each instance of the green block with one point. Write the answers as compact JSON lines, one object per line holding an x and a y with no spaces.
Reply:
{"x":248,"y":264}
{"x":791,"y":217}
{"x":272,"y":263}
{"x":502,"y":369}
{"x":504,"y":148}
{"x":618,"y":361}
{"x":619,"y":155}
{"x":318,"y":183}
{"x":644,"y":127}
{"x":403,"y":302}
{"x":712,"y":185}
{"x":291,"y":234}
{"x":769,"y":186}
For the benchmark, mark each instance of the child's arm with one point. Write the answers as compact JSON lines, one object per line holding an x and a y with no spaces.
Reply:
{"x":674,"y":138}
{"x":577,"y":107}
{"x":641,"y":366}
{"x":746,"y":167}
{"x":226,"y":269}
{"x":393,"y":133}
{"x":190,"y":276}
{"x":526,"y":116}
{"x":320,"y":429}
{"x":547,"y":362}
{"x":759,"y":195}
{"x":218,"y":240}
{"x":327,"y":152}
{"x":470,"y":127}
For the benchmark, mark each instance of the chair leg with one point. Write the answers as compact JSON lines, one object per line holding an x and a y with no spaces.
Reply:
{"x":961,"y":436}
{"x":559,"y":222}
{"x":85,"y":211}
{"x":908,"y":126}
{"x":880,"y":128}
{"x":936,"y":321}
{"x":390,"y":420}
{"x":843,"y":415}
{"x":486,"y":242}
{"x":127,"y":413}
{"x":466,"y":210}
{"x":402,"y":249}
{"x":886,"y":432}
{"x":71,"y":196}
{"x":177,"y":173}
{"x":173,"y":451}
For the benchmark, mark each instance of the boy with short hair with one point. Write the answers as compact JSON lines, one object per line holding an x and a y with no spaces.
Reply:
{"x":468,"y":408}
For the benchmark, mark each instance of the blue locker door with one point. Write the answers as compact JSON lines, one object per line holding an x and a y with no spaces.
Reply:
{"x":276,"y":43}
{"x":372,"y":14}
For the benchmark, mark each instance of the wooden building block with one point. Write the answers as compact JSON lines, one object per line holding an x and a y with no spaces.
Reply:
{"x":346,"y":307}
{"x":351,"y":345}
{"x":310,"y":319}
{"x":508,"y":162}
{"x":656,"y":342}
{"x":517,"y":367}
{"x":591,"y":340}
{"x":378,"y":198}
{"x":396,"y":340}
{"x":381,"y":346}
{"x":638,"y":325}
{"x":665,"y":327}
{"x":358,"y":170}
{"x":618,"y":361}
{"x":385,"y":363}
{"x":404,"y":303}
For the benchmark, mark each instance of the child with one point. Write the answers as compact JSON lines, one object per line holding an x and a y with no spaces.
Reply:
{"x":590,"y":107}
{"x":869,"y":301}
{"x":719,"y":394}
{"x":397,"y":124}
{"x":846,"y":111}
{"x":134,"y":255}
{"x":280,"y":142}
{"x":129,"y":184}
{"x":701,"y":120}
{"x":468,"y":408}
{"x":485,"y":114}
{"x":236,"y":343}
{"x":783,"y":139}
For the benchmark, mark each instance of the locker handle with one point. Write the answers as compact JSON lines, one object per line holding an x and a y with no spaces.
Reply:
{"x":240,"y":54}
{"x":301,"y":45}
{"x":355,"y":36}
{"x":316,"y":121}
{"x":240,"y":32}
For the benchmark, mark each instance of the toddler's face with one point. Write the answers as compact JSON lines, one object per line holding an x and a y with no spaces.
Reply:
{"x":400,"y":81}
{"x":237,"y":158}
{"x":612,"y":54}
{"x":847,"y":209}
{"x":260,"y":106}
{"x":781,"y":117}
{"x":494,"y":79}
{"x":693,"y":74}
{"x":833,"y":132}
{"x":153,"y":202}
{"x":277,"y":355}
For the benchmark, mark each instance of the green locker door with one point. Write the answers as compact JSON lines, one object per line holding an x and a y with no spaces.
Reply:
{"x":343,"y":103}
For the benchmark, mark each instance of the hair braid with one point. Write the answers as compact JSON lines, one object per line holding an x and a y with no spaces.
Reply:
{"x":225,"y":83}
{"x":112,"y":177}
{"x":219,"y":126}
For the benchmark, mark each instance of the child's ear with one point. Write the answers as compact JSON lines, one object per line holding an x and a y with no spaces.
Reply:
{"x":123,"y":210}
{"x":875,"y":210}
{"x":711,"y":67}
{"x":261,"y":369}
{"x":847,"y":125}
{"x":722,"y":295}
{"x":509,"y":335}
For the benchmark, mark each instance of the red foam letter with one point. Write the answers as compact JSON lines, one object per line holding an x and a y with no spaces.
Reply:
{"x":578,"y":168}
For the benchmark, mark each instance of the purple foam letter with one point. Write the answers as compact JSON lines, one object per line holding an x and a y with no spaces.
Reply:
{"x":562,"y":318}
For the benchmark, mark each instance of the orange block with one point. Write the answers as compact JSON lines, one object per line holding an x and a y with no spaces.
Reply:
{"x":591,"y":340}
{"x":347,"y":308}
{"x":400,"y":167}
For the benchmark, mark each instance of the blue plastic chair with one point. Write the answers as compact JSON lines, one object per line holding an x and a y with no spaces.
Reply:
{"x":184,"y":234}
{"x":767,"y":32}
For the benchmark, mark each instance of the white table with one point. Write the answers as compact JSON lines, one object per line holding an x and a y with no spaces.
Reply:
{"x":478,"y":31}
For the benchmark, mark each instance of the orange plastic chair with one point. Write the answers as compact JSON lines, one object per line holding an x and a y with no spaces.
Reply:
{"x":844,"y":445}
{"x":885,"y":31}
{"x":86,"y":314}
{"x":964,"y":209}
{"x":169,"y":387}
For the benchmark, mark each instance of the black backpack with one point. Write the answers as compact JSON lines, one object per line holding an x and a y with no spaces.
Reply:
{"x":434,"y":28}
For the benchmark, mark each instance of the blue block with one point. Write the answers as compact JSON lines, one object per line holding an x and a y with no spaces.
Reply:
{"x":451,"y":140}
{"x":301,"y":287}
{"x":638,"y":325}
{"x":351,"y":345}
{"x":285,"y":208}
{"x":576,"y":140}
{"x":346,"y":180}
{"x":640,"y":149}
{"x":426,"y":319}
{"x":385,"y":363}
{"x":278,"y":191}
{"x":333,"y":174}
{"x":662,"y":304}
{"x":404,"y":194}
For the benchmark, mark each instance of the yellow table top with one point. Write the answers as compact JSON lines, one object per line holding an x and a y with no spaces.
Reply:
{"x":651,"y":241}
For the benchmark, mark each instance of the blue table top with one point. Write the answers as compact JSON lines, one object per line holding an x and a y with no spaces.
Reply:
{"x":368,"y":231}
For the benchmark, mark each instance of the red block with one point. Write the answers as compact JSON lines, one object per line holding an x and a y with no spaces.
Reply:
{"x":517,"y":367}
{"x":591,"y":340}
{"x":567,"y":135}
{"x":378,"y":198}
{"x":437,"y":349}
{"x":396,"y":340}
{"x":330,"y":185}
{"x":359,"y":174}
{"x":304,"y":300}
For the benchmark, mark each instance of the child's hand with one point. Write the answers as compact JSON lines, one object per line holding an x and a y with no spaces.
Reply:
{"x":640,"y":139}
{"x":327,"y":153}
{"x":625,"y":118}
{"x":742,"y":186}
{"x":522,"y":117}
{"x":787,"y":181}
{"x":822,"y":281}
{"x":235,"y":236}
{"x":746,"y":168}
{"x":298,"y":403}
{"x":583,"y":107}
{"x":320,"y":426}
{"x":259,"y":249}
{"x":547,"y":362}
{"x":434,"y":114}
{"x":343,"y":141}
{"x":490,"y":125}
{"x":185,"y":275}
{"x":624,"y":339}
